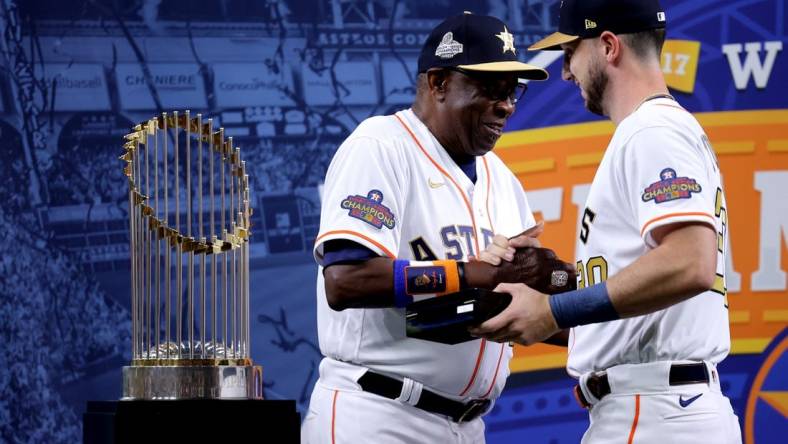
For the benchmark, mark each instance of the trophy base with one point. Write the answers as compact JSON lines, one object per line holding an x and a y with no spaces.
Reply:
{"x":192,"y":382}
{"x":191,"y":421}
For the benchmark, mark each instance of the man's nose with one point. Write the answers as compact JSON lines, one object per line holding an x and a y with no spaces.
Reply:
{"x":504,"y":107}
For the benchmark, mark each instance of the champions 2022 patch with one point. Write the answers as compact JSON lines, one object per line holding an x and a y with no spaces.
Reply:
{"x":670,"y":187}
{"x":370,"y":209}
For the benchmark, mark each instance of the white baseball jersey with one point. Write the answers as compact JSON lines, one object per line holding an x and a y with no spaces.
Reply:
{"x":659,"y":169}
{"x":392,"y":188}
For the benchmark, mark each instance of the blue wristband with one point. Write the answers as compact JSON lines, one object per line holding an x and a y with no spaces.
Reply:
{"x":584,"y":306}
{"x":401,"y":296}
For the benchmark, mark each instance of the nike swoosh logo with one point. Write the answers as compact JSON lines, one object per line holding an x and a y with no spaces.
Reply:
{"x":434,"y":184}
{"x":684,"y":403}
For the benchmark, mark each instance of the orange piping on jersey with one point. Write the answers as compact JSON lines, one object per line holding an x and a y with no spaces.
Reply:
{"x":475,"y":369}
{"x":487,"y":199}
{"x":572,"y":339}
{"x":451,"y":179}
{"x":495,"y":376}
{"x":366,"y":238}
{"x":334,"y":415}
{"x":665,"y":216}
{"x":475,"y":234}
{"x":635,"y":421}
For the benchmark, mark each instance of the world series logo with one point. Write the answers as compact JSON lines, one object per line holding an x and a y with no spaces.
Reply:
{"x":370,"y":209}
{"x":670,"y":187}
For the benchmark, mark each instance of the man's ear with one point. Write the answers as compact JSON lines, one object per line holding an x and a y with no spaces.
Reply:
{"x":436,"y":81}
{"x":611,"y":46}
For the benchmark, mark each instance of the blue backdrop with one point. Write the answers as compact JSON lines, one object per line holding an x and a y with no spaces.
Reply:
{"x":288,"y":79}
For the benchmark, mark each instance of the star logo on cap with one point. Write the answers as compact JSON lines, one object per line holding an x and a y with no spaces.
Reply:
{"x":508,"y":40}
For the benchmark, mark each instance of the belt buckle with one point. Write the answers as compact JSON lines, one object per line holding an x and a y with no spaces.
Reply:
{"x":474,"y":408}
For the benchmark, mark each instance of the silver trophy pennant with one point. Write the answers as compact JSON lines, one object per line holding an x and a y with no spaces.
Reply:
{"x":189,"y":266}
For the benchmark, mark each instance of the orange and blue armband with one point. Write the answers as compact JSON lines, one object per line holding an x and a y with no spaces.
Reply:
{"x":416,"y":280}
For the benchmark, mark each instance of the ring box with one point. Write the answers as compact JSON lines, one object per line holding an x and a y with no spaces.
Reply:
{"x":446,"y":319}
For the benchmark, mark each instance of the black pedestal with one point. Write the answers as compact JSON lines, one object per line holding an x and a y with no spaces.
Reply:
{"x":191,"y":421}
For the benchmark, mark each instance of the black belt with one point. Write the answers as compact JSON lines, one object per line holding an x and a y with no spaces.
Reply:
{"x":432,"y":402}
{"x":680,"y":374}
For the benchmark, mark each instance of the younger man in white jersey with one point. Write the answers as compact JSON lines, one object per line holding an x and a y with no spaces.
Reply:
{"x":649,"y":320}
{"x":408,"y":199}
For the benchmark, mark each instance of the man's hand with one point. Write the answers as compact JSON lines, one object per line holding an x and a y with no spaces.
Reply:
{"x":503,"y":248}
{"x":539,"y":268}
{"x":527,"y":320}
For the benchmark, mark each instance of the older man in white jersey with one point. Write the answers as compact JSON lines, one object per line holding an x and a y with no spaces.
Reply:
{"x":409,"y":198}
{"x":649,"y":320}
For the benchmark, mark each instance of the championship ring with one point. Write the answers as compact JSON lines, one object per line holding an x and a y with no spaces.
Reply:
{"x":559,"y":278}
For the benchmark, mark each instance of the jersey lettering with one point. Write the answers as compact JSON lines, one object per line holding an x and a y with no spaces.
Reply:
{"x":451,"y":243}
{"x":422,"y":251}
{"x":467,"y":233}
{"x":710,"y":152}
{"x":597,"y":270}
{"x":592,"y":272}
{"x":720,"y":212}
{"x":581,"y":275}
{"x":588,"y":219}
{"x":452,"y":237}
{"x":487,"y":237}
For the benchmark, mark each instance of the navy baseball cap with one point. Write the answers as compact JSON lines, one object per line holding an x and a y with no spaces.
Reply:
{"x":475,"y":43}
{"x":582,"y":19}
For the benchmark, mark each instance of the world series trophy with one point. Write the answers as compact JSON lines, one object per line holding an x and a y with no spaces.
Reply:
{"x":189,"y":263}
